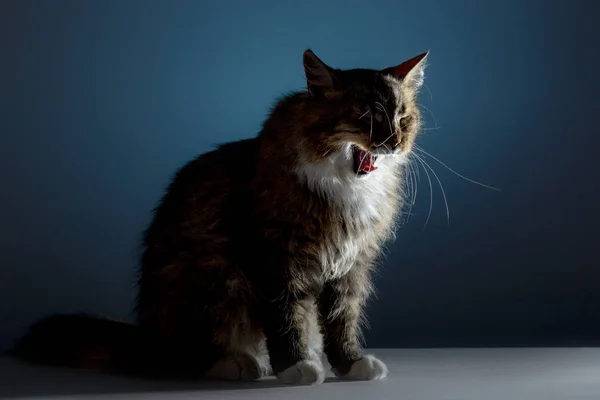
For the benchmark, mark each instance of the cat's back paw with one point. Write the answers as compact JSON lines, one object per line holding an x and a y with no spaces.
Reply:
{"x":367,"y":368}
{"x":308,"y":372}
{"x":239,"y":367}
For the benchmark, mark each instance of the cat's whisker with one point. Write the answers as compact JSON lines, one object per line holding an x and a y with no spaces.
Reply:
{"x":371,"y":131}
{"x":408,"y":193}
{"x":416,"y":168}
{"x":407,"y":187}
{"x":430,"y":197}
{"x":426,"y":165}
{"x":360,"y":164}
{"x":427,"y":87}
{"x":419,"y":148}
{"x":430,"y":112}
{"x":408,"y":180}
{"x":384,"y":142}
{"x":412,"y":186}
{"x":368,"y":111}
{"x":415,"y":184}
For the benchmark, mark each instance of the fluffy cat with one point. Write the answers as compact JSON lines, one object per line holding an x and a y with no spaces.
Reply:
{"x":259,"y":256}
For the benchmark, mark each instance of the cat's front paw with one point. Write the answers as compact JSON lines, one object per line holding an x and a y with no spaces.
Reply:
{"x":366,"y":369}
{"x":306,"y":372}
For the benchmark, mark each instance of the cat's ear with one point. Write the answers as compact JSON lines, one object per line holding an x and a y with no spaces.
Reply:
{"x":410,"y":72}
{"x":320,"y":78}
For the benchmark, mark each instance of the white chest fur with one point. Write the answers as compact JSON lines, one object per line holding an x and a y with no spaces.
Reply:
{"x":362,"y":201}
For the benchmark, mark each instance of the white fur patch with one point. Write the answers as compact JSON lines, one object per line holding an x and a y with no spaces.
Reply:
{"x":360,"y":197}
{"x":315,"y":338}
{"x":367,"y":368}
{"x":334,"y":178}
{"x":303,"y":373}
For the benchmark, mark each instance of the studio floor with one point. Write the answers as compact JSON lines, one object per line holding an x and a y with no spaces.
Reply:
{"x":431,"y":374}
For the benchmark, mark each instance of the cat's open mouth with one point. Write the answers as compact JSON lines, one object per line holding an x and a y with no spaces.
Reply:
{"x":364,"y":162}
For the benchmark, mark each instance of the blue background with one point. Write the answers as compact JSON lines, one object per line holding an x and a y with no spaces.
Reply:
{"x":101,"y":101}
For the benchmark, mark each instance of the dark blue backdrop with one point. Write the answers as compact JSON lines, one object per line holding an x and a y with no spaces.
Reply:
{"x":102,"y":100}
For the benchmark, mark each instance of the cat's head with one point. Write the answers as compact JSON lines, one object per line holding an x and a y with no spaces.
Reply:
{"x":366,"y":115}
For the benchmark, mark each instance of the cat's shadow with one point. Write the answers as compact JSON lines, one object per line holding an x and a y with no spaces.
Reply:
{"x":268,"y":383}
{"x":18,"y":379}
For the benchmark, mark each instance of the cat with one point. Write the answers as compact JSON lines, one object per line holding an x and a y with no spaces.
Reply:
{"x":259,"y":256}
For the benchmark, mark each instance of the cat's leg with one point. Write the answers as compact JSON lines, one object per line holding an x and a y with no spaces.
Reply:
{"x":341,"y":306}
{"x":175,"y":346}
{"x":290,"y":324}
{"x":198,"y":305}
{"x":246,"y":357}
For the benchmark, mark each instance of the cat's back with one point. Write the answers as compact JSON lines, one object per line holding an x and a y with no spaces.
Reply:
{"x":203,"y":193}
{"x":233,"y":162}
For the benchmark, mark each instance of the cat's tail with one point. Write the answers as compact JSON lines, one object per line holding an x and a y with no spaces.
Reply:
{"x":89,"y":342}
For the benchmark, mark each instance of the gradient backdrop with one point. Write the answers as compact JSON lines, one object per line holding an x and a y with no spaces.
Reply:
{"x":101,"y":101}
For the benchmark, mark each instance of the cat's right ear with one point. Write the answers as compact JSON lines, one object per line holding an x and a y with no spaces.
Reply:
{"x":320,"y":78}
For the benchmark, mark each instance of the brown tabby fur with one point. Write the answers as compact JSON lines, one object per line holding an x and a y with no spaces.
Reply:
{"x":252,"y":256}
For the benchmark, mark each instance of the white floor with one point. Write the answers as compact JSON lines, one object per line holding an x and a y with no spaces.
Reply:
{"x":486,"y":374}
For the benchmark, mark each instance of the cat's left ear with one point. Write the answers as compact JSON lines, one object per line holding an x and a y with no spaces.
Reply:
{"x":411,"y":72}
{"x":320,"y":78}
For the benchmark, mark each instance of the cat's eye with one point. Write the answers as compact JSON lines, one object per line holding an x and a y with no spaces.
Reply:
{"x":405,"y":122}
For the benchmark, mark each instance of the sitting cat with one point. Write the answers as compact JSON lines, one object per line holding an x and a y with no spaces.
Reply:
{"x":258,"y":259}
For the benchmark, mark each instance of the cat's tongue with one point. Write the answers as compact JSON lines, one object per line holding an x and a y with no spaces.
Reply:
{"x":364,"y":161}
